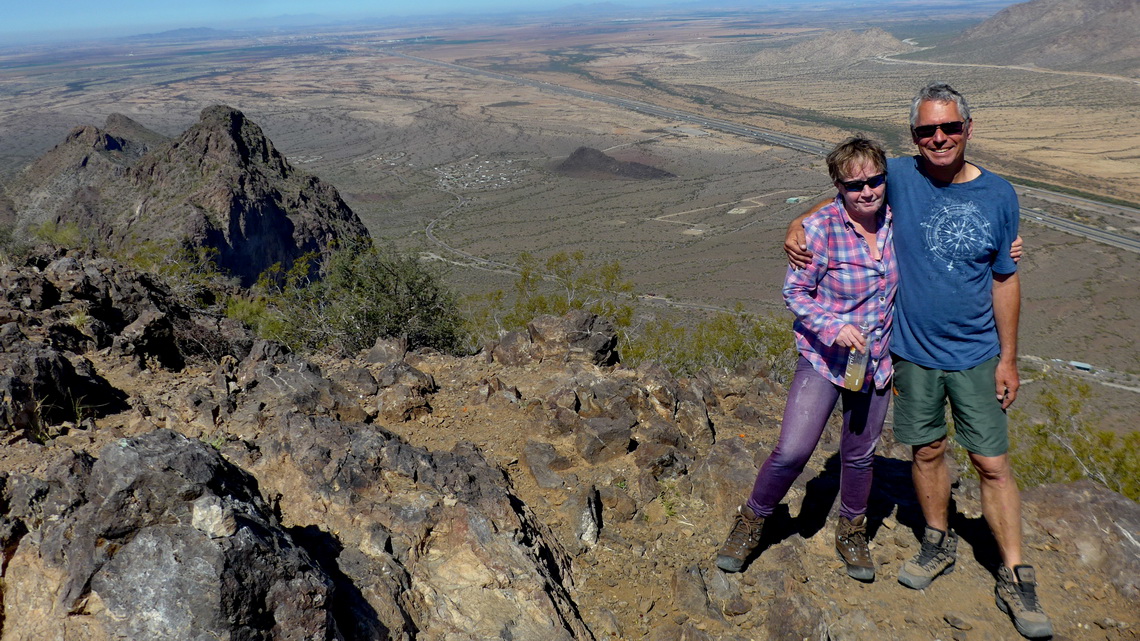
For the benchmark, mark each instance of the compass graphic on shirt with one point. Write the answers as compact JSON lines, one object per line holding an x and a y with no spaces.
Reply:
{"x":956,"y":233}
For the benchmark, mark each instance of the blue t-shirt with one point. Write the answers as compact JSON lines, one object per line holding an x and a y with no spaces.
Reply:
{"x":950,"y":239}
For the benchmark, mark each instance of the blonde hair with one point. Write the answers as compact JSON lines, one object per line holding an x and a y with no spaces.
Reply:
{"x":853,"y":152}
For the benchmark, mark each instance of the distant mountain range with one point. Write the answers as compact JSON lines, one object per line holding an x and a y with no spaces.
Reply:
{"x":1086,"y":35}
{"x":221,"y":184}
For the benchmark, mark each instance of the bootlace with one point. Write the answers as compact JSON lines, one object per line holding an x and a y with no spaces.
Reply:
{"x":744,"y":532}
{"x":929,"y":552}
{"x":1028,"y":594}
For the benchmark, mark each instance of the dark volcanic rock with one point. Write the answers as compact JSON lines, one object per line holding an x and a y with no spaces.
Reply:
{"x":439,"y":525}
{"x":587,"y":161}
{"x":170,"y":540}
{"x":221,"y":184}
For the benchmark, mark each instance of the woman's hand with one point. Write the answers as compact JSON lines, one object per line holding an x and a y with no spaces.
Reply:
{"x":850,"y":336}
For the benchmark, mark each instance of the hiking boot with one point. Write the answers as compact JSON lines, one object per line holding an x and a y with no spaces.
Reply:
{"x":937,"y":556}
{"x":851,"y":544}
{"x":742,"y":540}
{"x":1016,"y":595}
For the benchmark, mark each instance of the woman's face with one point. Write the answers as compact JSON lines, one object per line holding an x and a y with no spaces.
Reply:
{"x":867,"y":200}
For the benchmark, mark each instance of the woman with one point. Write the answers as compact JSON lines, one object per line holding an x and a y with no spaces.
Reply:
{"x":849,"y":285}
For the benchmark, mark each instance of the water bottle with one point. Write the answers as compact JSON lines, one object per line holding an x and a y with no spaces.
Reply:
{"x":856,"y":372}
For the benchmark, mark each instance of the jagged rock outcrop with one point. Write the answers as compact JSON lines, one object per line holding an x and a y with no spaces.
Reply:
{"x":221,"y":184}
{"x":592,"y":163}
{"x":253,"y":493}
{"x":157,"y":538}
{"x":58,"y":309}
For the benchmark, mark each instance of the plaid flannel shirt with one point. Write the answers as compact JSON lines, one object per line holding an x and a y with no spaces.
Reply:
{"x":843,"y":285}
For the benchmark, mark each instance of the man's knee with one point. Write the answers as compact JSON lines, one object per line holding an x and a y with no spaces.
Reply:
{"x":933,"y":453}
{"x":993,"y":469}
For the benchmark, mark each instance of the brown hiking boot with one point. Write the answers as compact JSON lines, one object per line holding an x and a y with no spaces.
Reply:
{"x":742,"y":540}
{"x":1016,"y":595}
{"x":851,"y":544}
{"x":937,"y":556}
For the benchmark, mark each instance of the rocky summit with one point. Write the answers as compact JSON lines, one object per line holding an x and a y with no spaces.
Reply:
{"x":221,"y":185}
{"x":165,"y":475}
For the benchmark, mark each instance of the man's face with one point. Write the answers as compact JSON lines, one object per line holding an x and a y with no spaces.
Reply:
{"x":941,"y":149}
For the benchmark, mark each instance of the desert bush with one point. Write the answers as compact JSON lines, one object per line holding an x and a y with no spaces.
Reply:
{"x":726,"y":339}
{"x":358,"y":293}
{"x":11,"y":249}
{"x":65,"y":235}
{"x":567,"y":281}
{"x":1063,"y":445}
{"x":563,"y":282}
{"x":190,"y":272}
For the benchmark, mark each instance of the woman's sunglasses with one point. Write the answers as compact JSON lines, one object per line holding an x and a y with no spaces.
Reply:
{"x":858,"y":185}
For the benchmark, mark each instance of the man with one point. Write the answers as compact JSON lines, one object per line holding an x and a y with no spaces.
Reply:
{"x":955,"y":339}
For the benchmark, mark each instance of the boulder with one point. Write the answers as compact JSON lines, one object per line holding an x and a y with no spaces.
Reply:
{"x":1097,"y":526}
{"x":158,"y":538}
{"x":578,"y":335}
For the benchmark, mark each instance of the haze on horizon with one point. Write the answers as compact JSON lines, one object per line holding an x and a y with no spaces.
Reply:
{"x":66,"y":19}
{"x":26,"y":21}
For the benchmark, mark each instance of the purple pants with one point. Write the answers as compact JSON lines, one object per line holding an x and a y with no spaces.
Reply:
{"x":810,"y":401}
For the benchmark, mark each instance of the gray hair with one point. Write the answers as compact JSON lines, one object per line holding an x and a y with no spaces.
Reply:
{"x":938,"y":92}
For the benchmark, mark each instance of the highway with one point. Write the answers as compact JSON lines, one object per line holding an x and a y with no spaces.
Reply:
{"x":817,"y":148}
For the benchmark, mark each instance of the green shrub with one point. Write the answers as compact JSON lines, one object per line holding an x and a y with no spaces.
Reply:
{"x":359,"y":293}
{"x":566,"y":281}
{"x":188,"y":271}
{"x":1063,"y":446}
{"x":727,"y":339}
{"x":555,"y":286}
{"x":66,"y":235}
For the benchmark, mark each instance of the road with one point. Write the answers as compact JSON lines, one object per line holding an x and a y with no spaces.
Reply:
{"x":814,"y":147}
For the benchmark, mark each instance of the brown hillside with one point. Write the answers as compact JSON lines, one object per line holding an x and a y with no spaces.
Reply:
{"x":1089,"y":35}
{"x":840,"y":45}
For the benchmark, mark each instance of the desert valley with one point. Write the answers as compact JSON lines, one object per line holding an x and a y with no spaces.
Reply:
{"x":677,"y":142}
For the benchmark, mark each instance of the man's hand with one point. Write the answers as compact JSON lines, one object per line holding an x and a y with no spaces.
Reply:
{"x":1015,"y":249}
{"x":795,"y":242}
{"x":795,"y":245}
{"x":1007,"y":381}
{"x":1007,"y":311}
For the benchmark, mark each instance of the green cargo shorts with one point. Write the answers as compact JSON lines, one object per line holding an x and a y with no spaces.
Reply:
{"x":980,"y":424}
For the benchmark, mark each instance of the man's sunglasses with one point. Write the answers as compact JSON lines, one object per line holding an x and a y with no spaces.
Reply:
{"x":949,"y":128}
{"x":858,"y":185}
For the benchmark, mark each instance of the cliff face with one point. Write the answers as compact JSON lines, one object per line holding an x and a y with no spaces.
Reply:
{"x":221,"y":184}
{"x":166,"y":476}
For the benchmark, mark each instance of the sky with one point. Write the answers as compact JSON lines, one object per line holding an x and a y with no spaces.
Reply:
{"x":22,"y":20}
{"x":28,"y":21}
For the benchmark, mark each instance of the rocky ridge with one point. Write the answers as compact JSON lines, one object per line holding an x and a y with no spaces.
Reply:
{"x":190,"y":482}
{"x":220,"y":184}
{"x":1087,"y":35}
{"x":840,"y":45}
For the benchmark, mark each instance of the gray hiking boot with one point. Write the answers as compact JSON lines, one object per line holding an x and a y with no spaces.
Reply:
{"x":743,"y":539}
{"x":1016,"y":595}
{"x":937,"y":556}
{"x":851,"y":544}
